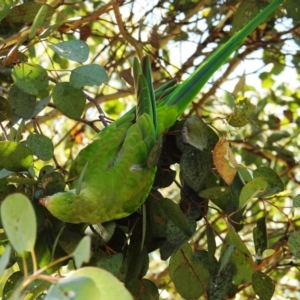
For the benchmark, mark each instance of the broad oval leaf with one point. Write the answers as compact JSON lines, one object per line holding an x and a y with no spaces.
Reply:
{"x":225,"y":161}
{"x":73,"y":50}
{"x":25,"y":13}
{"x":74,"y":287}
{"x":108,"y":285}
{"x":41,"y":146}
{"x":190,"y":279}
{"x":6,"y":111}
{"x":251,"y":190}
{"x":175,"y":214}
{"x":263,"y":285}
{"x":88,"y":75}
{"x":15,"y":156}
{"x":52,"y":183}
{"x":30,"y":78}
{"x":82,"y":253}
{"x":69,"y":100}
{"x":22,"y":103}
{"x":19,"y":222}
{"x":195,"y":133}
{"x":294,"y":243}
{"x":275,"y":184}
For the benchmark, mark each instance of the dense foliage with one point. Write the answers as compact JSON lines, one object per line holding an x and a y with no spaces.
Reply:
{"x":223,"y":216}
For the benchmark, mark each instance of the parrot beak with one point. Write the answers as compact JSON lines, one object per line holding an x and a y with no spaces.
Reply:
{"x":43,"y":201}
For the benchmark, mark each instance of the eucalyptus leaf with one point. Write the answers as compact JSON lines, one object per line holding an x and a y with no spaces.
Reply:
{"x":73,"y":50}
{"x":30,"y":78}
{"x":19,"y":221}
{"x":41,"y":146}
{"x":15,"y":156}
{"x":69,"y":100}
{"x":82,"y":253}
{"x":88,"y":75}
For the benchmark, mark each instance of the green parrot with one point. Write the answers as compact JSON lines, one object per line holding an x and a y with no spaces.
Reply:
{"x":114,"y":174}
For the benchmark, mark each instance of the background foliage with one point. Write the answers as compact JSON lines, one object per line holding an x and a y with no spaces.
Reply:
{"x":56,"y":95}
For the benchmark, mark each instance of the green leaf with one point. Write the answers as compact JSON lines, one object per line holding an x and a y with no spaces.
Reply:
{"x":22,"y":103}
{"x":241,"y":257}
{"x":4,"y":259}
{"x":189,"y":277}
{"x":266,"y":80}
{"x":277,"y":136}
{"x":176,"y":215}
{"x":4,"y":8}
{"x":25,"y":13}
{"x":251,"y":190}
{"x":275,"y":184}
{"x":107,"y":285}
{"x":294,"y":243}
{"x":38,"y":20}
{"x":263,"y":285}
{"x":242,"y":111}
{"x":30,"y":78}
{"x":6,"y":111}
{"x":69,"y":100}
{"x":144,"y":289}
{"x":73,"y":50}
{"x":15,"y":156}
{"x":246,"y":11}
{"x":88,"y":75}
{"x":19,"y":222}
{"x":195,"y":133}
{"x":82,"y":252}
{"x":260,"y":238}
{"x":215,"y":192}
{"x":293,"y":9}
{"x":74,"y":287}
{"x":211,"y":241}
{"x":225,"y":258}
{"x":52,"y":183}
{"x":41,"y":146}
{"x":296,"y":201}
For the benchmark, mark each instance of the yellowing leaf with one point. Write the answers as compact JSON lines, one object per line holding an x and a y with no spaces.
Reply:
{"x":224,"y":161}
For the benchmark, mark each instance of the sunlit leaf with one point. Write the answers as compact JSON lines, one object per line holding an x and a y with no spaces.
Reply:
{"x":15,"y":156}
{"x":242,"y":111}
{"x":38,"y":20}
{"x":82,"y":252}
{"x":19,"y":222}
{"x":30,"y":78}
{"x":73,"y":50}
{"x":252,"y":189}
{"x":4,"y":259}
{"x":225,"y":161}
{"x":195,"y":132}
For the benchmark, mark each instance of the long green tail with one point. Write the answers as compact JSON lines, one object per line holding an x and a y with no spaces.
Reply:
{"x":187,"y":90}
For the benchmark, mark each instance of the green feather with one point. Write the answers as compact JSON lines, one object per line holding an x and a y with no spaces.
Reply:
{"x":122,"y":160}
